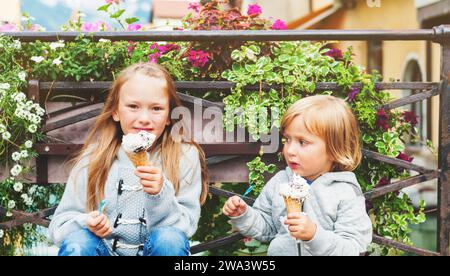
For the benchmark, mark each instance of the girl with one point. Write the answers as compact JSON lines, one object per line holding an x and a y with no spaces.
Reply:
{"x":322,"y":145}
{"x":150,"y":210}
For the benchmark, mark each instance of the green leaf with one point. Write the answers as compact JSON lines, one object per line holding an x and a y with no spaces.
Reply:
{"x":131,"y":20}
{"x":386,"y":137}
{"x":104,"y":7}
{"x":117,"y":14}
{"x":380,"y":145}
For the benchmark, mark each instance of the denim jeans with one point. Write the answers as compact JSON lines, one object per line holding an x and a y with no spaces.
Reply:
{"x":162,"y":241}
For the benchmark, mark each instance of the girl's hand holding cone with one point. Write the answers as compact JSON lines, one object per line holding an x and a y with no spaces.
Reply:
{"x":151,"y":179}
{"x":301,"y":226}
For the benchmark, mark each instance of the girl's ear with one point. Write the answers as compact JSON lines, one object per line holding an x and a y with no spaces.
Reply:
{"x":168,"y":122}
{"x":115,"y":116}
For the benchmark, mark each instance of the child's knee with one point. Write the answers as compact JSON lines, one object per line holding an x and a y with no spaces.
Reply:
{"x":79,"y":243}
{"x":168,"y":241}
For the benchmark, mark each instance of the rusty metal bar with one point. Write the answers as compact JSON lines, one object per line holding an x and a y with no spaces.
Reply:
{"x":396,"y":186}
{"x":395,"y":161}
{"x":226,"y":85}
{"x":19,"y":218}
{"x":444,"y":152}
{"x":411,"y":99}
{"x":216,"y":243}
{"x":210,"y":149}
{"x":41,"y":161}
{"x":219,"y":192}
{"x":434,"y":34}
{"x":403,"y":247}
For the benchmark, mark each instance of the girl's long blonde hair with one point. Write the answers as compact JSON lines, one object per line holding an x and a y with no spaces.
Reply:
{"x":331,"y":119}
{"x":106,"y":134}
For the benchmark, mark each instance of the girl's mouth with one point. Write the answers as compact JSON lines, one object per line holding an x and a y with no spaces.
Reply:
{"x":144,"y":129}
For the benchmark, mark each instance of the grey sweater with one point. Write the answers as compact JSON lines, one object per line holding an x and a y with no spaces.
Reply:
{"x":133,"y":212}
{"x":336,"y":205}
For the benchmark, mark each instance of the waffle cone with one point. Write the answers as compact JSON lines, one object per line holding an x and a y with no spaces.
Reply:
{"x":293,"y":205}
{"x":139,"y":158}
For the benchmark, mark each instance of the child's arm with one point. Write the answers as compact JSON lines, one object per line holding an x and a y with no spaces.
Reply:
{"x":257,"y":221}
{"x":183,"y":210}
{"x":70,"y":215}
{"x":352,"y":233}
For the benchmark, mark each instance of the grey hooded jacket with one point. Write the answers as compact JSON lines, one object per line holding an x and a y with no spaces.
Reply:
{"x":336,"y":205}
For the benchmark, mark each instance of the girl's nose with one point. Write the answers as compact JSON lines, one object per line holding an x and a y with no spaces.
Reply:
{"x":144,"y":117}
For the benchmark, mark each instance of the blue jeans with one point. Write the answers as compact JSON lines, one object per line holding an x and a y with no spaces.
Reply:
{"x":162,"y":241}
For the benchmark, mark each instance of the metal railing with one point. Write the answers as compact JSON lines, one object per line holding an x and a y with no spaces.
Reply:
{"x":221,"y":152}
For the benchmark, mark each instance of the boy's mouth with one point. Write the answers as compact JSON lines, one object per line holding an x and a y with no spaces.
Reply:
{"x":293,"y":165}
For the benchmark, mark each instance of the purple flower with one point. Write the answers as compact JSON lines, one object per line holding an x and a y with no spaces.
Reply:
{"x":353,"y":93}
{"x":383,"y":182}
{"x":134,"y":27}
{"x":410,"y":117}
{"x":279,"y":25}
{"x":405,"y":157}
{"x":8,"y":27}
{"x":154,"y":46}
{"x":198,"y":58}
{"x":334,"y":53}
{"x":154,"y":57}
{"x":131,"y":46}
{"x":168,"y":48}
{"x":90,"y":27}
{"x":195,"y":7}
{"x":382,"y":120}
{"x":254,"y":10}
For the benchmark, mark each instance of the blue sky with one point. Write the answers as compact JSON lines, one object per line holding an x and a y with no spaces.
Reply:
{"x":51,"y":14}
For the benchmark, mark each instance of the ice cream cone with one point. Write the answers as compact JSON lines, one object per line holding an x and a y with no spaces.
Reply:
{"x":138,"y":158}
{"x":293,"y":205}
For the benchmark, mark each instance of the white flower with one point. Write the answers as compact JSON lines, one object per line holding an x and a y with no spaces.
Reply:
{"x":22,"y":75}
{"x":15,"y":156}
{"x":9,"y":214}
{"x":32,"y":189}
{"x":6,"y":135}
{"x":27,"y":226}
{"x":26,"y":199}
{"x":4,"y":86}
{"x":1,"y":233}
{"x":28,"y":144}
{"x":2,"y":128}
{"x":55,"y":45}
{"x":18,"y":186}
{"x":32,"y":128}
{"x":24,"y":154}
{"x":57,"y":61}
{"x":11,"y":204}
{"x":37,"y":59}
{"x":2,"y":93}
{"x":17,"y":44}
{"x":103,"y":40}
{"x":16,"y":170}
{"x":80,"y":14}
{"x":19,"y":97}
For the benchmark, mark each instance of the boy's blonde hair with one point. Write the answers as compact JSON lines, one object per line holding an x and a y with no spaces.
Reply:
{"x":331,"y":119}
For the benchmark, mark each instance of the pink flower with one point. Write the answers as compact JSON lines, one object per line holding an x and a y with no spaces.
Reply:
{"x":154,"y":57}
{"x":195,"y":7}
{"x":279,"y":25}
{"x":405,"y":157}
{"x":103,"y":26}
{"x":134,"y":27}
{"x":113,"y":1}
{"x":353,"y":93}
{"x":90,"y":27}
{"x":8,"y":27}
{"x":168,"y":48}
{"x":198,"y":58}
{"x":254,"y":10}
